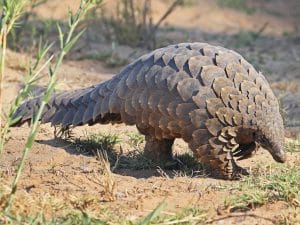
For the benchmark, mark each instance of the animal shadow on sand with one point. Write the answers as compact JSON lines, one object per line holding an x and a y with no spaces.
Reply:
{"x":132,"y":163}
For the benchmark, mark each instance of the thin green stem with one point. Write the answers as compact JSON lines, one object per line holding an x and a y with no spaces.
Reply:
{"x":2,"y":66}
{"x":22,"y":94}
{"x":70,"y":41}
{"x":11,"y":11}
{"x":29,"y":143}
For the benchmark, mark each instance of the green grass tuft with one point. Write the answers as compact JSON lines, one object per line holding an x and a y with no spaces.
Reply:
{"x":94,"y":142}
{"x":135,"y":159}
{"x":281,"y":183}
{"x":136,"y":139}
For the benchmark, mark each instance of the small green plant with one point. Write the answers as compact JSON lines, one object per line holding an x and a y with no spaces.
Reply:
{"x":136,"y":139}
{"x":99,"y":141}
{"x":107,"y":141}
{"x":246,"y":201}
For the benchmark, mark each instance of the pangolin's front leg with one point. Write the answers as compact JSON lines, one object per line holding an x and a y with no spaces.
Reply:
{"x":217,"y":153}
{"x":223,"y":166}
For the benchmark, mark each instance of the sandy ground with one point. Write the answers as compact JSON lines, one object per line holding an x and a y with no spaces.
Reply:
{"x":56,"y":173}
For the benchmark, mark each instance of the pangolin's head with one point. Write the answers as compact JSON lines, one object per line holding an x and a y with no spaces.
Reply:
{"x":270,"y":136}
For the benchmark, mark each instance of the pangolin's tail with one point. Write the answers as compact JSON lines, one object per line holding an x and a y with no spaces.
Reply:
{"x":85,"y":106}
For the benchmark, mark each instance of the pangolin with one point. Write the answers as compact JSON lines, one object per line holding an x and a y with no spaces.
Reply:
{"x":209,"y":96}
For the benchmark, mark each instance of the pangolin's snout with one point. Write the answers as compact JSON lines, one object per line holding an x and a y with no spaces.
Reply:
{"x":278,"y":154}
{"x":279,"y":157}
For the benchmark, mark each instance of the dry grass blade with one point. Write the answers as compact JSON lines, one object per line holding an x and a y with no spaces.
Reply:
{"x":108,"y":182}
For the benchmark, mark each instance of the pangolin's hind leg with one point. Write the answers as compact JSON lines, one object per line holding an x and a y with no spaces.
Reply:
{"x":160,"y":150}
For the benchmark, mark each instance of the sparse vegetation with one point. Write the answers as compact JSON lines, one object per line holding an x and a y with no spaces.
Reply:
{"x":136,"y":139}
{"x":96,"y":142}
{"x":267,"y":185}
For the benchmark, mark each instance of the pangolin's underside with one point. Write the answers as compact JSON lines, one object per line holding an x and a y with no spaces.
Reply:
{"x":209,"y":96}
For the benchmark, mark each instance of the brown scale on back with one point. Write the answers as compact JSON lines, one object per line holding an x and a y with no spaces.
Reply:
{"x":209,"y":96}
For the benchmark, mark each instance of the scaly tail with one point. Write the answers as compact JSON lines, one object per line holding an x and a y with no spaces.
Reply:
{"x":85,"y":106}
